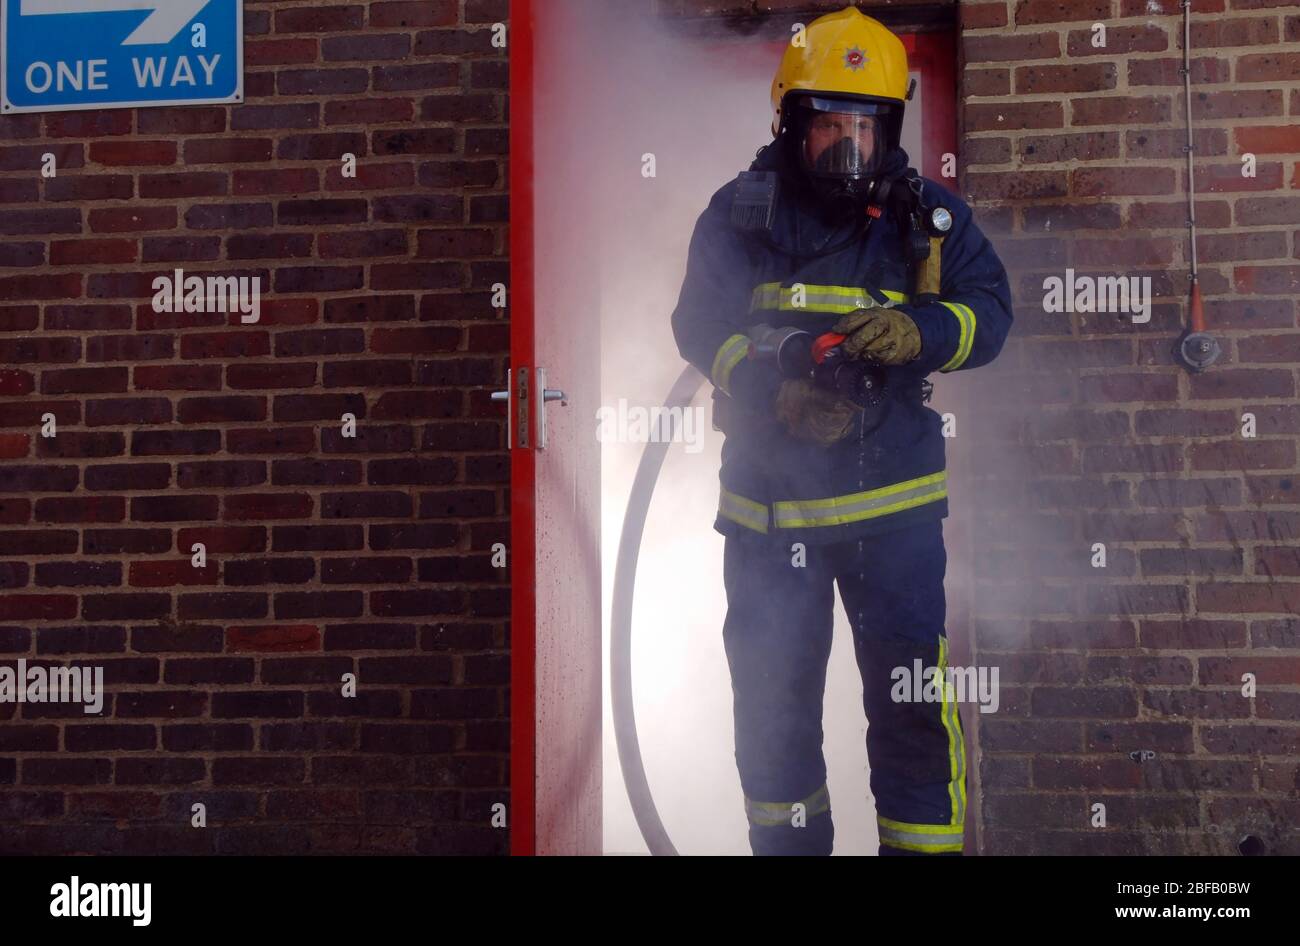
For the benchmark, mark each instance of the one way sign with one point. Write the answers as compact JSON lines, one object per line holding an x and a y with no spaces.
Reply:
{"x":60,"y":55}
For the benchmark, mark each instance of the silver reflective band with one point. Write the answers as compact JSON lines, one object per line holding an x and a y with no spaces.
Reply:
{"x":744,"y":511}
{"x":730,"y":353}
{"x":928,"y":838}
{"x":966,"y":337}
{"x":855,"y":507}
{"x":809,"y":298}
{"x":956,"y":744}
{"x":773,"y":813}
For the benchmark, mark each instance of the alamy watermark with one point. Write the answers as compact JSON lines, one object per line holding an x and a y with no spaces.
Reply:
{"x":921,"y":684}
{"x":37,"y":684}
{"x":181,"y":293}
{"x":632,"y":423}
{"x":75,"y":899}
{"x":1130,"y":294}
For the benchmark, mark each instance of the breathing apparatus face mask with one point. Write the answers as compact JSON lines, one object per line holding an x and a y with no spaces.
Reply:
{"x":840,"y":147}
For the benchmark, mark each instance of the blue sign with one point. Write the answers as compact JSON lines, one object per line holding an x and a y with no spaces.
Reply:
{"x":60,"y":55}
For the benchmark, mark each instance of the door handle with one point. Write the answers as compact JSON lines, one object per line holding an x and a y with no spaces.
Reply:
{"x":522,"y":405}
{"x":548,"y":394}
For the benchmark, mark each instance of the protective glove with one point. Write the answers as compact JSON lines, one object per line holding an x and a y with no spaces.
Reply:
{"x":884,"y":336}
{"x":813,"y":414}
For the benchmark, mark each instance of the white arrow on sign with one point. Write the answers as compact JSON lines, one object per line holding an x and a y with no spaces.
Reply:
{"x":168,"y":18}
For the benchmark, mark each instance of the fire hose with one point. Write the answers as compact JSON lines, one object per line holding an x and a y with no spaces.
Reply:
{"x":656,"y":837}
{"x":796,"y":354}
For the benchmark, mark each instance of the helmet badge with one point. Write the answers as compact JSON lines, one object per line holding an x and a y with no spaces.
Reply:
{"x":855,"y":59}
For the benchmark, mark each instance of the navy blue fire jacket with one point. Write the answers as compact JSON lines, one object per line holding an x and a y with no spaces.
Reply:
{"x":890,"y":473}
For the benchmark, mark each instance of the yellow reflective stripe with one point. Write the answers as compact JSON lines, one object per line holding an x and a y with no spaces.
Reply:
{"x":966,"y":320}
{"x":773,"y":813}
{"x":744,"y":511}
{"x":730,"y":354}
{"x":956,"y":744}
{"x":928,"y":838}
{"x":839,"y":510}
{"x":818,"y":298}
{"x":810,"y":298}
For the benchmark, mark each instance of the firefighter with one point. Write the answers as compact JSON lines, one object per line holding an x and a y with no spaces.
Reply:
{"x":830,"y":231}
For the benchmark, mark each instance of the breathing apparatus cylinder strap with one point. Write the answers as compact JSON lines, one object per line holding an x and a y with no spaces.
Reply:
{"x":927,"y":274}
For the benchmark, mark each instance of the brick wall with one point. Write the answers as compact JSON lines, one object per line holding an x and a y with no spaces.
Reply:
{"x":1073,"y":154}
{"x":326,"y":555}
{"x":1085,"y":431}
{"x":370,"y":556}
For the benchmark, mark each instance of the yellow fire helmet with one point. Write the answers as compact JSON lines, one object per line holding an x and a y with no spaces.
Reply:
{"x":837,"y":104}
{"x":844,"y":54}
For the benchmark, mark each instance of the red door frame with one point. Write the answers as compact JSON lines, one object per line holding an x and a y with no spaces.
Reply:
{"x":931,"y":53}
{"x":523,"y":510}
{"x":934,"y":55}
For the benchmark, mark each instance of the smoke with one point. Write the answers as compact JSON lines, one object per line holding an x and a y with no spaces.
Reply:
{"x":674,"y":115}
{"x":692,"y":112}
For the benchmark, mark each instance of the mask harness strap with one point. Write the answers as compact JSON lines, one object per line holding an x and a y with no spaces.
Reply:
{"x":753,"y":212}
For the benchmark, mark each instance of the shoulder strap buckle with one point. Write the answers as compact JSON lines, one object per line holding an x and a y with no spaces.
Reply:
{"x":754,"y":204}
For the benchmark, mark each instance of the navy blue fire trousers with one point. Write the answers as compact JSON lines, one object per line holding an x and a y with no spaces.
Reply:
{"x":778,"y":641}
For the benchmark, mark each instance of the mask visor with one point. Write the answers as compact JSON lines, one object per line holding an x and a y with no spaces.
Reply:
{"x":841,"y":144}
